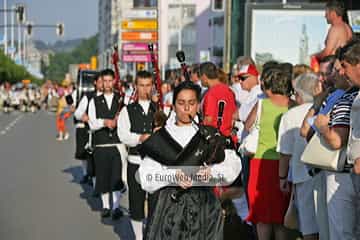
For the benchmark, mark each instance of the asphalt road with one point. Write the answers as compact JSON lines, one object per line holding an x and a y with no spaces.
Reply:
{"x":40,"y":197}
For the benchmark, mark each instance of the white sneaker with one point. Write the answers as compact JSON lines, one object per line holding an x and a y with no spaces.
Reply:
{"x":66,"y":136}
{"x":60,"y":137}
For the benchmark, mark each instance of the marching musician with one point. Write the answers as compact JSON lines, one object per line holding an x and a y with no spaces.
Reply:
{"x":183,"y":211}
{"x":82,"y":131}
{"x":135,"y":124}
{"x":103,"y":111}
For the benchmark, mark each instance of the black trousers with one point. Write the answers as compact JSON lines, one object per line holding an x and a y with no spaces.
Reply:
{"x":81,"y":137}
{"x":91,"y":166}
{"x":108,"y":169}
{"x":137,"y":196}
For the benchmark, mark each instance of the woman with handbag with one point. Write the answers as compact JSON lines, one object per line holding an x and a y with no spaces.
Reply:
{"x":263,"y":186}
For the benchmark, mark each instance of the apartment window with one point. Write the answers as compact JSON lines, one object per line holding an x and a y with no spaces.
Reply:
{"x":218,"y":5}
{"x":145,"y":3}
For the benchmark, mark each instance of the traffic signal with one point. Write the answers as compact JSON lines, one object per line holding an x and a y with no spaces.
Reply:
{"x":60,"y":29}
{"x":20,"y":11}
{"x":29,"y":27}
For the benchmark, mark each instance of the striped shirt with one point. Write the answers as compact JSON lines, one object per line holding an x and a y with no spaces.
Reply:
{"x":340,"y":113}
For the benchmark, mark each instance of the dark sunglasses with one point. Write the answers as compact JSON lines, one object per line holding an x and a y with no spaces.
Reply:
{"x":243,"y":78}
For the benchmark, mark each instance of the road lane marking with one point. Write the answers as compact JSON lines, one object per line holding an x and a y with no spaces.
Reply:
{"x":11,"y":125}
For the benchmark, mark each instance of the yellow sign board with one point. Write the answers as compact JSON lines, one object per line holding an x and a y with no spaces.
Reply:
{"x":93,"y":63}
{"x":139,"y":24}
{"x":140,"y":66}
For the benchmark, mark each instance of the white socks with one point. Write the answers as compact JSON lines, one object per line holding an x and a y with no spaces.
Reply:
{"x":84,"y":167}
{"x":138,"y":229}
{"x":116,"y":199}
{"x":105,"y":200}
{"x":94,"y":181}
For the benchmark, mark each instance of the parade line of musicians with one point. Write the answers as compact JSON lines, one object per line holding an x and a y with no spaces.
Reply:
{"x":228,"y":157}
{"x":156,"y":154}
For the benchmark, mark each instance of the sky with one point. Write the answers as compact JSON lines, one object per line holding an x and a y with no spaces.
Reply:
{"x":279,"y":32}
{"x":80,"y":17}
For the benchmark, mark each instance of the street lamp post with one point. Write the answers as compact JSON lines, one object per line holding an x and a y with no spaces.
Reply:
{"x":24,"y":46}
{"x":12,"y":31}
{"x":180,"y":27}
{"x":19,"y":41}
{"x":5,"y":29}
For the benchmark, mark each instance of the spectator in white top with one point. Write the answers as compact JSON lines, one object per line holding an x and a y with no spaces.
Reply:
{"x":249,"y":81}
{"x":289,"y":132}
{"x":240,"y":94}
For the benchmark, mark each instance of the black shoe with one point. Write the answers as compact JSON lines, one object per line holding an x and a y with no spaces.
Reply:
{"x":95,"y":194}
{"x":85,"y":179}
{"x":123,"y":190}
{"x":116,"y":214}
{"x":105,"y":213}
{"x":90,"y":181}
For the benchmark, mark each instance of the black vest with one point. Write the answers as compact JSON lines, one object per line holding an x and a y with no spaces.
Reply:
{"x":106,"y":135}
{"x":140,"y":121}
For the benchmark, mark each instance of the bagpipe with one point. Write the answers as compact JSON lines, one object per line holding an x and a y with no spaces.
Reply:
{"x":211,"y":143}
{"x":117,"y":81}
{"x":205,"y":148}
{"x":180,"y":55}
{"x":159,"y":116}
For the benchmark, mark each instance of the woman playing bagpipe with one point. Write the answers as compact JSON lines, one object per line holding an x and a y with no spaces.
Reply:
{"x":182,"y":162}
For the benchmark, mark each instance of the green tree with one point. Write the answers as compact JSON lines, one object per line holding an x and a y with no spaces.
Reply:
{"x":59,"y":62}
{"x":11,"y":72}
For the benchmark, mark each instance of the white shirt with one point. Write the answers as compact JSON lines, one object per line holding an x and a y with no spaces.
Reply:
{"x":128,"y":94}
{"x":123,"y":130}
{"x":83,"y":105}
{"x":291,"y":143}
{"x":97,"y":123}
{"x":168,"y":98}
{"x":241,"y":95}
{"x":249,"y":103}
{"x":229,"y":168}
{"x":74,"y":97}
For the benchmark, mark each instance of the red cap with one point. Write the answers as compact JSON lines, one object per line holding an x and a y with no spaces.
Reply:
{"x":248,"y":69}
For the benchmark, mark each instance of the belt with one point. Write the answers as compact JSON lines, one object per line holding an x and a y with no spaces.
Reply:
{"x":314,"y":171}
{"x":134,"y":159}
{"x":107,"y":145}
{"x":80,"y":125}
{"x":347,"y":169}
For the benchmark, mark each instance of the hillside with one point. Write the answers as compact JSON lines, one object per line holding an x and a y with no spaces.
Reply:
{"x":59,"y":46}
{"x":59,"y":62}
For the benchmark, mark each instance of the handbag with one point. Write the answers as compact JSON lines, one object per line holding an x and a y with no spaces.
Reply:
{"x":250,"y":142}
{"x":318,"y":153}
{"x":291,"y":219}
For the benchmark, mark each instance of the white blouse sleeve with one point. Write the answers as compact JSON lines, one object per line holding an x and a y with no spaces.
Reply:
{"x":154,"y":176}
{"x":81,"y":109}
{"x":229,"y":169}
{"x":94,"y":123}
{"x":123,"y":129}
